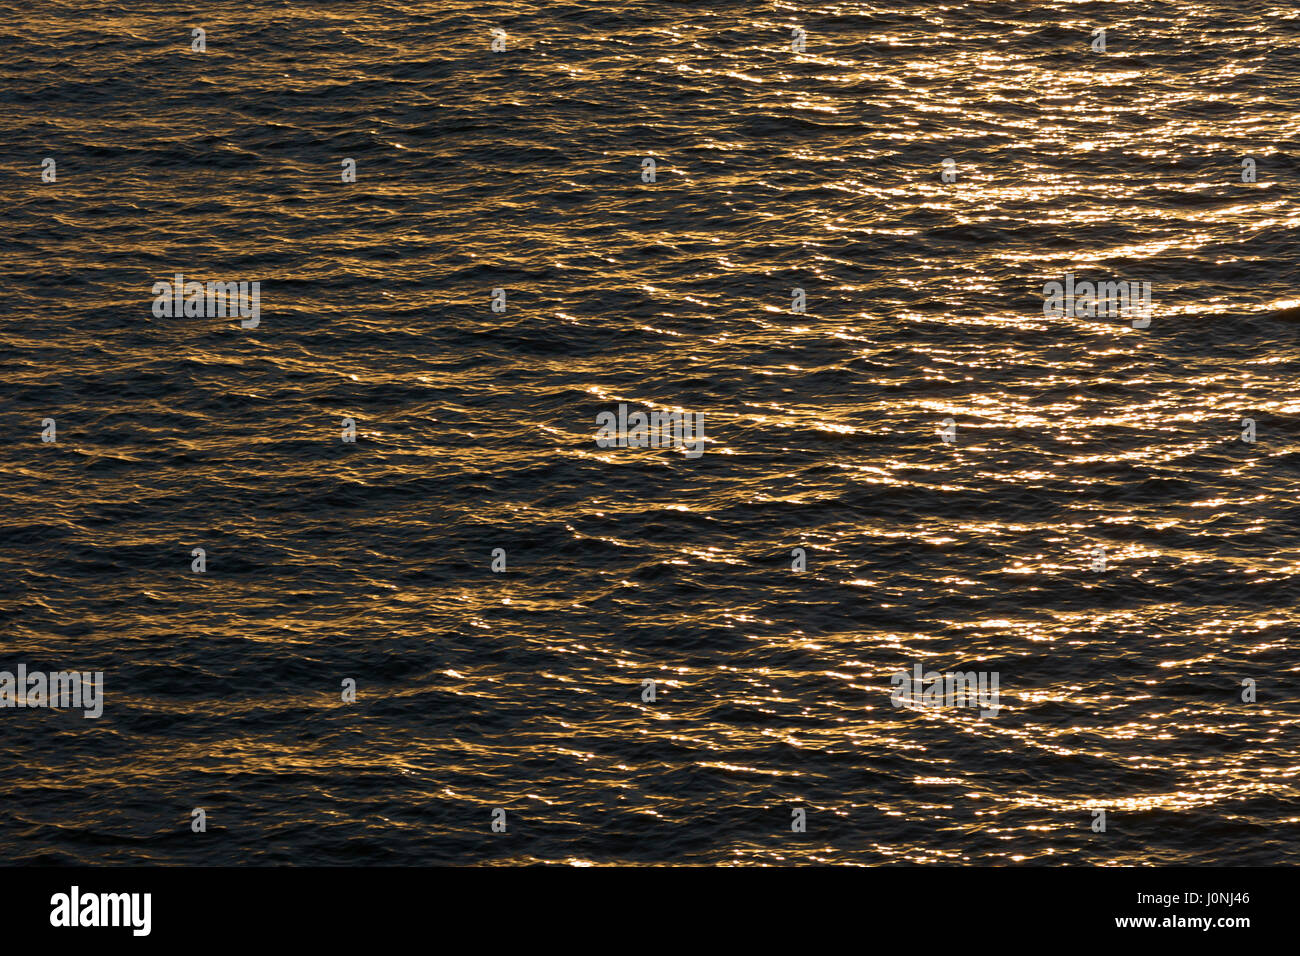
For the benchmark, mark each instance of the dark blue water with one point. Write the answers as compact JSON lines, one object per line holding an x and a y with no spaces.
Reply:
{"x":522,"y":690}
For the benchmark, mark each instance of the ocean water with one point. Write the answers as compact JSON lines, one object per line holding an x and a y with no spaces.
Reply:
{"x":522,"y":690}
